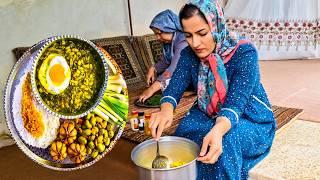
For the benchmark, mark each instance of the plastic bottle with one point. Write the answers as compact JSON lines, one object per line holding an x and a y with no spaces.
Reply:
{"x":134,"y":121}
{"x":141,"y":121}
{"x":147,"y":130}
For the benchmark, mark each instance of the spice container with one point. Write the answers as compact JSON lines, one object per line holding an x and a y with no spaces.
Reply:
{"x":141,"y":121}
{"x":147,"y":130}
{"x":134,"y":121}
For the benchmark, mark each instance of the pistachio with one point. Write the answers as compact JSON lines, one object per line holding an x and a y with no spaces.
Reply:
{"x":89,"y":115}
{"x":94,"y":153}
{"x":93,"y":121}
{"x":92,"y":137}
{"x":87,"y":124}
{"x":91,"y":145}
{"x":89,"y":150}
{"x":102,"y":131}
{"x":111,"y":134}
{"x":106,"y":141}
{"x":110,"y":126}
{"x":104,"y":124}
{"x":86,"y":132}
{"x":94,"y":130}
{"x":100,"y":139}
{"x":82,"y":140}
{"x":99,"y":119}
{"x":106,"y":134}
{"x":101,"y":147}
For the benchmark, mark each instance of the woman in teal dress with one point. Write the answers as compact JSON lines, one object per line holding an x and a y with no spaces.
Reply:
{"x":232,"y":120}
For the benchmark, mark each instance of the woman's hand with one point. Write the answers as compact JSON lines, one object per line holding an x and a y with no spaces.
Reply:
{"x":146,"y":94}
{"x":151,"y":75}
{"x":150,"y":91}
{"x":161,"y":120}
{"x":212,"y":143}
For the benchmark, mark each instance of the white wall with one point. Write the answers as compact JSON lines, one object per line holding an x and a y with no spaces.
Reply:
{"x":25,"y":22}
{"x":144,"y":10}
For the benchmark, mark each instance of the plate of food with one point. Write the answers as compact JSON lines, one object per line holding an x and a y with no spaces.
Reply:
{"x":69,"y":76}
{"x":52,"y":140}
{"x":152,"y":102}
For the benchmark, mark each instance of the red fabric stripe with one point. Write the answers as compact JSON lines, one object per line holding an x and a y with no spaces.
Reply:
{"x":221,"y":91}
{"x":210,"y":108}
{"x":229,"y":56}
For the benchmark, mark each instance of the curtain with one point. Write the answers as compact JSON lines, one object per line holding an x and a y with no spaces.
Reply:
{"x":281,"y":29}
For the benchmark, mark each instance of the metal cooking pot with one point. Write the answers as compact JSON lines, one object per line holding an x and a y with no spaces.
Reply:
{"x":176,"y":149}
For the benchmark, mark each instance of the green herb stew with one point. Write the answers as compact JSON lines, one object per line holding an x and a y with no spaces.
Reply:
{"x":69,"y":76}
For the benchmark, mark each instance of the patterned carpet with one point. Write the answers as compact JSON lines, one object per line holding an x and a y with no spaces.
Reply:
{"x":283,"y":116}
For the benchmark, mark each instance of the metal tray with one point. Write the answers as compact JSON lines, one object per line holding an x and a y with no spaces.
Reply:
{"x":38,"y":155}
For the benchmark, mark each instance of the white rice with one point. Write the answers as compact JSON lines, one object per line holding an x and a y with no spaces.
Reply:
{"x":51,"y":123}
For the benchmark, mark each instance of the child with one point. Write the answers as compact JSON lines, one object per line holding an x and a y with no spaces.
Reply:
{"x":167,"y":28}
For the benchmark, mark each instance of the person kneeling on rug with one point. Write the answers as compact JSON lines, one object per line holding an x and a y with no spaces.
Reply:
{"x":233,"y":122}
{"x":167,"y":28}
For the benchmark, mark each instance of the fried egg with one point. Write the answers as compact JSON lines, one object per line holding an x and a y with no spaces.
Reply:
{"x":54,"y":74}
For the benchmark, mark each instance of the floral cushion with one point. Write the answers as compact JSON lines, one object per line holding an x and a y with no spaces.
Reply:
{"x":150,"y":49}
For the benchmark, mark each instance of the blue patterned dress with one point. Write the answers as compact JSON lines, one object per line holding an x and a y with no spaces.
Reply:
{"x":246,"y":105}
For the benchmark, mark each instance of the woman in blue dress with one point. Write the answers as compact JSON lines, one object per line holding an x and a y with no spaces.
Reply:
{"x":167,"y":28}
{"x":232,"y":120}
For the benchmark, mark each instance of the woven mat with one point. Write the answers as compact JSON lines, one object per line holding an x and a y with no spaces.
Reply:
{"x":283,"y":116}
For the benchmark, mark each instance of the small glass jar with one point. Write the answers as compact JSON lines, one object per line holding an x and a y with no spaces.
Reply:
{"x":134,"y":121}
{"x":147,"y":130}
{"x":141,"y":121}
